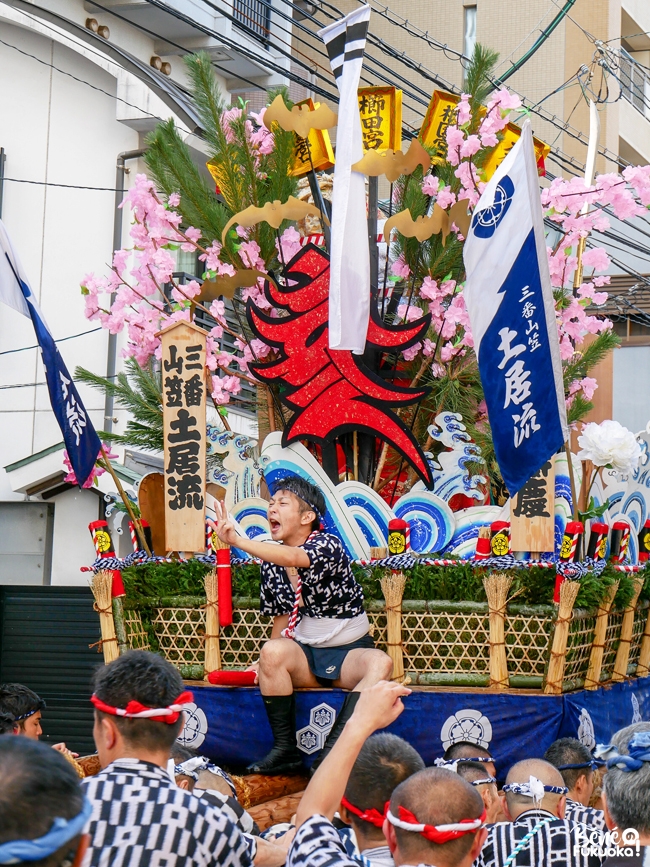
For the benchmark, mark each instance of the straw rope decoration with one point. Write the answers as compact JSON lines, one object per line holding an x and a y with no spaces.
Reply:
{"x":392,"y":586}
{"x":102,"y":587}
{"x":568,"y":593}
{"x":592,"y":678}
{"x":212,"y":650}
{"x":623,"y":652}
{"x":496,"y":590}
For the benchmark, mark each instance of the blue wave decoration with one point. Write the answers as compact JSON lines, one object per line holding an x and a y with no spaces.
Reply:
{"x":430,"y":518}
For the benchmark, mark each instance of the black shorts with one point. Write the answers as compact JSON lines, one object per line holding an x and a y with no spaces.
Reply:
{"x":325,"y":663}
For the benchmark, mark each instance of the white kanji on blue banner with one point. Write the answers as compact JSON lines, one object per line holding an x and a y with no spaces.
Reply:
{"x":79,"y":435}
{"x":510,"y":304}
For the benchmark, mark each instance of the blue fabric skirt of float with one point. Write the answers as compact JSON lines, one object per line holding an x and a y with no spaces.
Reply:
{"x":513,"y":726}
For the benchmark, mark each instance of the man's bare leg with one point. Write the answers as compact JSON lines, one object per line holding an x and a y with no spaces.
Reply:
{"x":283,"y":666}
{"x":361,"y":668}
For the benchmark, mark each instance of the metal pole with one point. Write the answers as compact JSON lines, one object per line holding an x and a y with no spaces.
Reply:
{"x":111,"y":354}
{"x":3,"y":157}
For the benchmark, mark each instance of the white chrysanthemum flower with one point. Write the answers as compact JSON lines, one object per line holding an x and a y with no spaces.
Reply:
{"x":609,"y":444}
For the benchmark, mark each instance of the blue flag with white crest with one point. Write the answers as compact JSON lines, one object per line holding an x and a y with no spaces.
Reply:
{"x":80,"y":437}
{"x":510,"y":304}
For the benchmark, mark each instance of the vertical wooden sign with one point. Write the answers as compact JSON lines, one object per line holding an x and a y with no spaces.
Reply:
{"x":532,"y":518}
{"x":184,"y":398}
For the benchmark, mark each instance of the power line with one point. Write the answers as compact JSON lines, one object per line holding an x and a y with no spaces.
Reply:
{"x":60,"y":340}
{"x":76,"y":78}
{"x":65,"y":186}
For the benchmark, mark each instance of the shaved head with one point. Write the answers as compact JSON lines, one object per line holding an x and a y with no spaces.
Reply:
{"x":468,"y":750}
{"x":435,"y":796}
{"x":545,"y":773}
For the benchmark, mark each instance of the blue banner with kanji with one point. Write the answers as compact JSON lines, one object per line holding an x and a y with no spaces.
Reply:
{"x":512,"y":314}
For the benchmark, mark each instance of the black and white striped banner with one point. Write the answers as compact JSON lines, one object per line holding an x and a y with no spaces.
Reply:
{"x":349,"y":295}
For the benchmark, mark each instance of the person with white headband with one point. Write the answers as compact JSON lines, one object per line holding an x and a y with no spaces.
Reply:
{"x":626,"y":795}
{"x":537,"y":833}
{"x":487,"y":788}
{"x":434,"y":817}
{"x":43,"y":811}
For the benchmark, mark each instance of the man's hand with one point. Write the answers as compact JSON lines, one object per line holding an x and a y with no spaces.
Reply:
{"x":255,"y":666}
{"x":224,"y":526}
{"x":63,"y":749}
{"x":378,"y":706}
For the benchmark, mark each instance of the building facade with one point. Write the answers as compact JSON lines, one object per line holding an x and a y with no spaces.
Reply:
{"x":82,"y":85}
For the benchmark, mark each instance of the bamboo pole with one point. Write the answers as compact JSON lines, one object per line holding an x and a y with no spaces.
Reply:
{"x":555,"y":675}
{"x":212,"y":650}
{"x":101,"y":586}
{"x":592,"y":680}
{"x":496,"y":590}
{"x":643,"y":668}
{"x":623,"y":652}
{"x":120,"y":626}
{"x":126,"y":501}
{"x":392,"y":586}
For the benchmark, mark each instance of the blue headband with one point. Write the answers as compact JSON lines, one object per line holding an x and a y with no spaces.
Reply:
{"x":638,"y":753}
{"x":61,"y":832}
{"x":288,"y":484}
{"x":534,"y":789}
{"x":29,"y":712}
{"x":592,"y":763}
{"x":482,"y":782}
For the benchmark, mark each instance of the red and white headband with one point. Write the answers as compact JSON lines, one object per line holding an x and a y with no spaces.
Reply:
{"x":373,"y":816}
{"x":435,"y":833}
{"x":135,"y":710}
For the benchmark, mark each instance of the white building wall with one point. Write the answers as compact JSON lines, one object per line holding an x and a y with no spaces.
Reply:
{"x":66,"y":129}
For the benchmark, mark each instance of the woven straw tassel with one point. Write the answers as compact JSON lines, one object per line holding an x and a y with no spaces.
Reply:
{"x":496,"y":590}
{"x":623,"y":652}
{"x":102,"y":587}
{"x":392,"y":586}
{"x":643,"y":668}
{"x":212,"y":651}
{"x":568,"y":593}
{"x":592,"y":680}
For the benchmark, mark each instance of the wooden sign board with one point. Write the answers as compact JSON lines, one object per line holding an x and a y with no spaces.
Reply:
{"x":184,"y":399}
{"x":532,"y":513}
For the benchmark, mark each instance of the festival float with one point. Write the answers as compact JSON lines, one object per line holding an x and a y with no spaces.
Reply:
{"x":515,"y":619}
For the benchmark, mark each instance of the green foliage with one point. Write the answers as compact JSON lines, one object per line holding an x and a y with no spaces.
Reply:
{"x":137,"y":390}
{"x":171,"y":165}
{"x":459,"y":583}
{"x":245,"y":177}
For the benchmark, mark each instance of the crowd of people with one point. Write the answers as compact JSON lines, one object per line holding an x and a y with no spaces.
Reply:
{"x":370,"y":803}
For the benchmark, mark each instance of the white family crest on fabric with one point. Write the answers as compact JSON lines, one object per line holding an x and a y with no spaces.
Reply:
{"x":510,"y":304}
{"x":81,"y":440}
{"x":349,"y":294}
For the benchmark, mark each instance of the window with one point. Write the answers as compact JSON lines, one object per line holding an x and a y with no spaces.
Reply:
{"x":26,"y":542}
{"x":253,"y":16}
{"x":469,"y":40}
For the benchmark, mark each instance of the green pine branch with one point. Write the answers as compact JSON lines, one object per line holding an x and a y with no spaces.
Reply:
{"x":137,"y":390}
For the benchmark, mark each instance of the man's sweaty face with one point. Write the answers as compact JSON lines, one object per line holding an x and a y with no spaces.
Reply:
{"x":284,"y":515}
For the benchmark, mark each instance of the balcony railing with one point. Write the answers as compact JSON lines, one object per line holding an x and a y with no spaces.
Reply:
{"x":254,"y":16}
{"x":635,"y":83}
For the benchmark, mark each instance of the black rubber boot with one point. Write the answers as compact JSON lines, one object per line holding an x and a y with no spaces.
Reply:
{"x":345,"y":713}
{"x":285,"y":757}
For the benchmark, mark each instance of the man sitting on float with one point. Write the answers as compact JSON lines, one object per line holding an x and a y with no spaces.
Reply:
{"x":320,"y":630}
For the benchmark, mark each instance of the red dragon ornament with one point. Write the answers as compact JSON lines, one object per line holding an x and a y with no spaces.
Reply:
{"x":331,"y":391}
